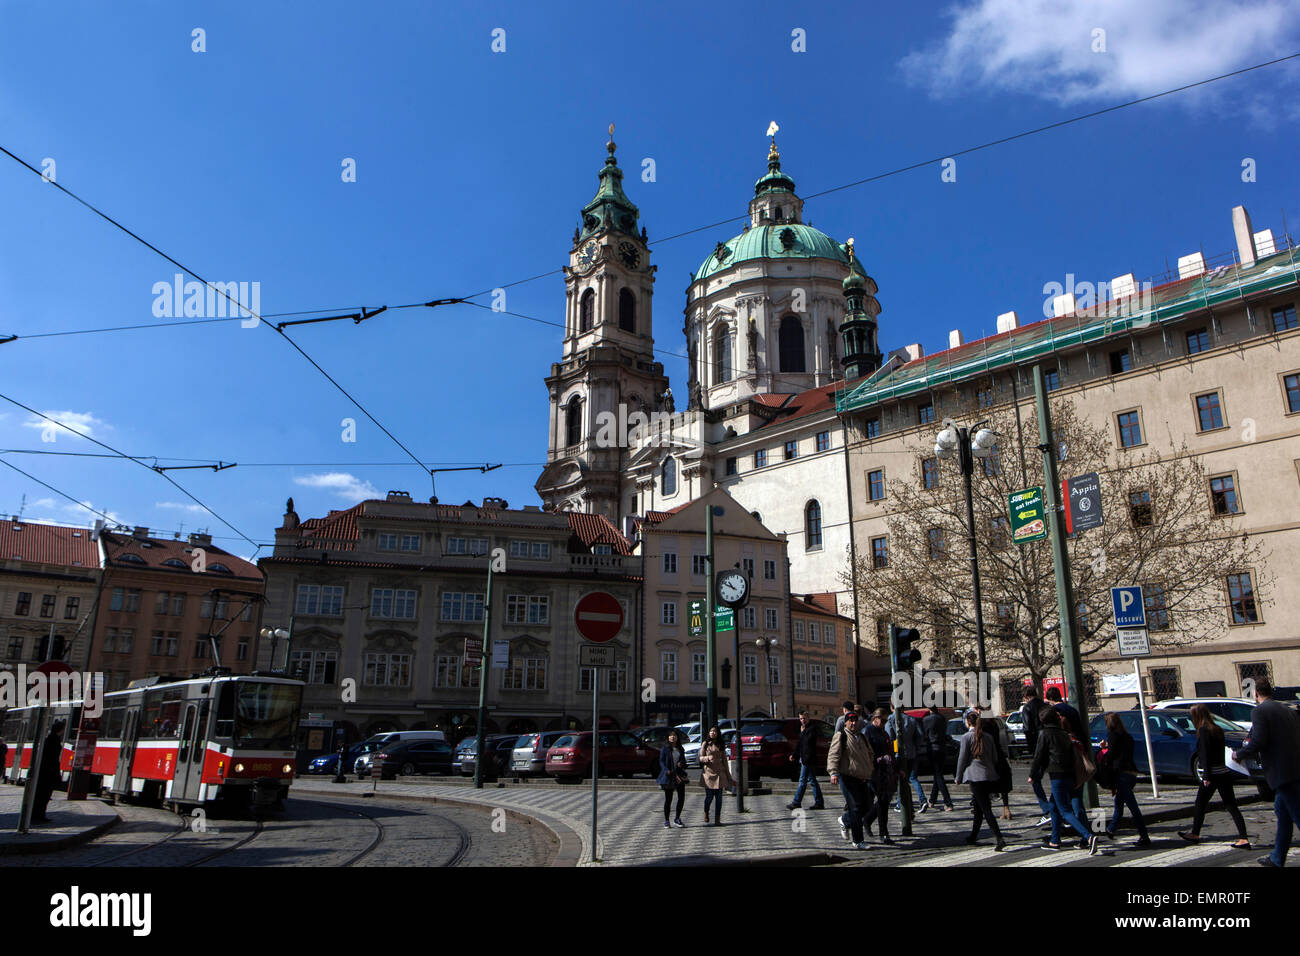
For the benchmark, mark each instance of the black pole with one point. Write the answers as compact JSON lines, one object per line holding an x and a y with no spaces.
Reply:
{"x":967,"y":469}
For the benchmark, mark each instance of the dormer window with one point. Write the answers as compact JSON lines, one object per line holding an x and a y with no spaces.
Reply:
{"x":131,"y":558}
{"x":220,"y":569}
{"x":175,"y":563}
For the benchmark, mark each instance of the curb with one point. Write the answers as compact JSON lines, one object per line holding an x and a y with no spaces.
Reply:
{"x":60,"y":843}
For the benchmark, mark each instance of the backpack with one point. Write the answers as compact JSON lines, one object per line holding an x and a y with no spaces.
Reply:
{"x":1105,"y":775}
{"x":1085,"y":768}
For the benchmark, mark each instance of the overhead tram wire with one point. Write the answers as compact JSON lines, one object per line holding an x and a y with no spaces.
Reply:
{"x":208,"y":462}
{"x":61,"y":494}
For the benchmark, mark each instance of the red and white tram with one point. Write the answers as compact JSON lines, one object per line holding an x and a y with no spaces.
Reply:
{"x":222,"y":737}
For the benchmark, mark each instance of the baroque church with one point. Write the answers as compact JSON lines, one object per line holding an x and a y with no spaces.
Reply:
{"x":776,"y":319}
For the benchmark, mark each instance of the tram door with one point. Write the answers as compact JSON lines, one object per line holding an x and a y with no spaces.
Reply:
{"x":126,"y":755}
{"x":190,"y":753}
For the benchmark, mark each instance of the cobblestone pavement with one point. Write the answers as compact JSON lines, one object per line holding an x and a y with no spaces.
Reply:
{"x":632,"y":832}
{"x":69,"y":822}
{"x":337,"y":830}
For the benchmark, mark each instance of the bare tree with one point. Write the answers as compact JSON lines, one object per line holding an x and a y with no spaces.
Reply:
{"x":1160,"y":531}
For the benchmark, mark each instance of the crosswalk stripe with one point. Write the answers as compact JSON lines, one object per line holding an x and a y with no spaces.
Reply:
{"x":1181,"y":855}
{"x":960,"y":858}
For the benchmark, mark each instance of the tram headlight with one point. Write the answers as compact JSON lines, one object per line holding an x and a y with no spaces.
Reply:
{"x":287,"y":769}
{"x":239,"y":768}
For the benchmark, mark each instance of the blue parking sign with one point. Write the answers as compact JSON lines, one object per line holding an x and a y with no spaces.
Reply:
{"x":1130,"y":611}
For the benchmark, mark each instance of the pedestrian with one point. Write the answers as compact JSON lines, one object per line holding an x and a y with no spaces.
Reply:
{"x":911,"y":743}
{"x":849,"y":708}
{"x":1055,"y":757}
{"x":1211,"y":758}
{"x":1029,"y":720}
{"x":934,"y":727}
{"x":885,"y":778}
{"x":977,"y":765}
{"x":715,"y":774}
{"x":1002,"y":744}
{"x":806,"y":754}
{"x":851,"y":764}
{"x":1073,"y":725}
{"x":1120,"y":767}
{"x":47,"y":774}
{"x":1275,"y":740}
{"x":672,"y":777}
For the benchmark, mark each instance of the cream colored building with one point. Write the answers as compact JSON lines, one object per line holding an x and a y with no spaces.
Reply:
{"x":1137,"y":365}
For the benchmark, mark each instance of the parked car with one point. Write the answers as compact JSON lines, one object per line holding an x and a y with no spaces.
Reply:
{"x":461,"y":749}
{"x":499,"y":748}
{"x":656,"y":737}
{"x":1173,"y":741}
{"x":528,"y":759}
{"x":692,"y":749}
{"x":415,"y":756}
{"x":620,"y":753}
{"x":393,"y":736}
{"x":1236,"y":710}
{"x":361,"y":764}
{"x":328,"y":763}
{"x":1015,"y":724}
{"x":768,"y":744}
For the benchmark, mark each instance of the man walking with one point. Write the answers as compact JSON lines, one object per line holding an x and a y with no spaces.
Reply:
{"x":1073,"y":725}
{"x":849,"y":708}
{"x":911,"y":744}
{"x":935,"y":729}
{"x":47,"y":774}
{"x":851,"y":764}
{"x":1029,"y":720}
{"x":1275,"y":740}
{"x":806,"y":754}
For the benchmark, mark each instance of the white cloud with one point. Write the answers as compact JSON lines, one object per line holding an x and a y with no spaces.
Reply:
{"x":179,"y":506}
{"x":346,"y":486}
{"x":84,"y":422}
{"x":1045,"y":48}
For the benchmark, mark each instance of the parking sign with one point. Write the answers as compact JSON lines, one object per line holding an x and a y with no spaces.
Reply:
{"x":1130,"y":611}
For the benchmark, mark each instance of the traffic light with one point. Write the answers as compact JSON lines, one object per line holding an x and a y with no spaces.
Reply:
{"x":902,"y":654}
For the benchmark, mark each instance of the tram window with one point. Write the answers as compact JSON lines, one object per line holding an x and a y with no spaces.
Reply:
{"x":110,"y":728}
{"x":161,"y":718}
{"x":225,"y":724}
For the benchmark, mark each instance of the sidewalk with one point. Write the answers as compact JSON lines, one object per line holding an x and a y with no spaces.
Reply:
{"x":72,"y":822}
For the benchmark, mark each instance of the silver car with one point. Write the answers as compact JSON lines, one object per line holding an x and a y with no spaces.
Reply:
{"x":528,"y":759}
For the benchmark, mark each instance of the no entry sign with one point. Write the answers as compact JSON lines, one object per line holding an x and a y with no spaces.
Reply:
{"x":598,"y":616}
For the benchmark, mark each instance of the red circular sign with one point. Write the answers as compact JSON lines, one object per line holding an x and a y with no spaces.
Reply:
{"x":50,"y":668}
{"x":598,"y":616}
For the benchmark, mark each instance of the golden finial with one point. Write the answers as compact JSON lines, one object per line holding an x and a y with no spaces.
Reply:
{"x":773,"y":155}
{"x":610,"y":145}
{"x":850,"y":248}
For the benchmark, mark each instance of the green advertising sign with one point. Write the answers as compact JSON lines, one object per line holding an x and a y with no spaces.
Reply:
{"x":725,"y":620}
{"x":696,"y":622}
{"x":1027,"y":518}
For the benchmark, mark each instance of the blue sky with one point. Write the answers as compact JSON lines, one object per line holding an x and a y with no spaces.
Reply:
{"x":472,"y":166}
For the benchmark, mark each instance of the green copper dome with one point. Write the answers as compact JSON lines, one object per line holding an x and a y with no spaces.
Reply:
{"x":791,"y":240}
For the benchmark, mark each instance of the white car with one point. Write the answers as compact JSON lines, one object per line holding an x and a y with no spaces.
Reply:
{"x":692,"y":749}
{"x":1236,"y":710}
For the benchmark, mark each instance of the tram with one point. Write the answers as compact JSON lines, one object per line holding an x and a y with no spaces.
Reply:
{"x":180,"y":742}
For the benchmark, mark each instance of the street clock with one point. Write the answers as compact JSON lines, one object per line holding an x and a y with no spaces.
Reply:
{"x":732,"y":589}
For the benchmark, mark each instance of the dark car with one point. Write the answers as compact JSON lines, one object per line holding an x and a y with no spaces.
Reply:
{"x":499,"y":748}
{"x":620,"y":753}
{"x":329,"y":763}
{"x":1173,"y":741}
{"x":656,"y":737}
{"x":417,"y":756}
{"x":768,"y":745}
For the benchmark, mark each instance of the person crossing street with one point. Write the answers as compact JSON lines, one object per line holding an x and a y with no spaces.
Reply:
{"x":806,"y":754}
{"x":851,"y":764}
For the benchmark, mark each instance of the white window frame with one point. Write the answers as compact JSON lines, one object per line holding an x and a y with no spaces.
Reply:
{"x":668,"y":613}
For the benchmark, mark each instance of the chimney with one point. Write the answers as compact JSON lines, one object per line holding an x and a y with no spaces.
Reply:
{"x":908,"y":353}
{"x":1245,"y":236}
{"x":398,"y":496}
{"x":1264,"y":244}
{"x":1121,"y":287}
{"x":201,"y":539}
{"x":1061,"y":305}
{"x":1008,"y":321}
{"x":955,"y":339}
{"x":1191,"y":265}
{"x":139,"y":532}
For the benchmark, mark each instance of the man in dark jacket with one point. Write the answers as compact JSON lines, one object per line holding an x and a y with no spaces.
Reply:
{"x":47,"y":774}
{"x":806,"y":754}
{"x":1055,"y":757}
{"x":911,"y":743}
{"x":1073,"y":724}
{"x":935,"y":728}
{"x":1275,"y":740}
{"x":1029,"y":720}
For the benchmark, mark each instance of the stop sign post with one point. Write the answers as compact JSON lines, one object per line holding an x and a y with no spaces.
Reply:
{"x":598,"y":617}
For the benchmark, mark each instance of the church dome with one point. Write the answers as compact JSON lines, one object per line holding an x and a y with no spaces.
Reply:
{"x":791,"y":240}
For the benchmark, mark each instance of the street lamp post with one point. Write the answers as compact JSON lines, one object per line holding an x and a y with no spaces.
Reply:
{"x":769,"y":646}
{"x":967,"y":444}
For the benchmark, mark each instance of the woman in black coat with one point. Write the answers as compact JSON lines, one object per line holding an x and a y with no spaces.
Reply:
{"x":672,"y":777}
{"x":1215,"y":776}
{"x":1119,"y":761}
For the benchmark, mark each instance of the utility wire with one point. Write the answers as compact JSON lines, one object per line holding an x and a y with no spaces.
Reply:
{"x":206,"y":462}
{"x":62,"y":494}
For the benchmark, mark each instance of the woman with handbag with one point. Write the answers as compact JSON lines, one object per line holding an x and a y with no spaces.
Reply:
{"x":1215,"y":775}
{"x":672,"y":777}
{"x":715,"y":773}
{"x":1117,"y":771}
{"x":1055,"y":756}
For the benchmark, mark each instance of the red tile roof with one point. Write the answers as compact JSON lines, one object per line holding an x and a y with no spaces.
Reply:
{"x":336,"y":526}
{"x":822,"y":603}
{"x":597,"y":529}
{"x":47,"y":544}
{"x":161,"y":550}
{"x":803,"y":403}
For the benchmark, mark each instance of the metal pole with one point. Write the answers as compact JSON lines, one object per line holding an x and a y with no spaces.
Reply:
{"x":900,"y":755}
{"x":740,"y":743}
{"x":1070,"y":661}
{"x":967,"y":467}
{"x":711,"y":637}
{"x":1146,"y":728}
{"x":595,"y":760}
{"x":483,"y":682}
{"x":38,"y":754}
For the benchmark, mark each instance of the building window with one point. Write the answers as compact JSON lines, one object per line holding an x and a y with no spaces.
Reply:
{"x":462,"y":606}
{"x":828,"y":635}
{"x":473,"y":546}
{"x":23,"y":605}
{"x":586,"y":677}
{"x":178,"y":605}
{"x":161,"y":604}
{"x":938,"y":547}
{"x":1241,"y":599}
{"x":48,"y":602}
{"x":1209,"y":413}
{"x":699,"y":564}
{"x":747,"y":567}
{"x":616,"y":678}
{"x":1292,"y":386}
{"x":823,"y":441}
{"x":410,"y":542}
{"x":1120,"y":362}
{"x":531,"y":550}
{"x":773,"y":669}
{"x":832,"y":679}
{"x":791,"y":450}
{"x":984,"y":397}
{"x":528,"y":609}
{"x":697,"y":667}
{"x":573,"y":422}
{"x":392,"y":603}
{"x":815,"y":685}
{"x":749,"y":668}
{"x":791,"y":345}
{"x":812,"y":524}
{"x":670,"y":562}
{"x":748,"y":617}
{"x":929,"y":473}
{"x":876,"y":485}
{"x":1198,"y":340}
{"x":1284,"y":318}
{"x":387,"y":541}
{"x":925,"y":414}
{"x":872,"y":428}
{"x":321,"y":600}
{"x":800,"y":675}
{"x":1153,"y":596}
{"x":156,"y":644}
{"x":1052,"y":379}
{"x":668,"y":481}
{"x":730,"y":467}
{"x":1139,"y":508}
{"x":626,"y":310}
{"x":1253,"y":671}
{"x":769,"y":570}
{"x":668,"y":667}
{"x":1130,"y":429}
{"x":15,"y":648}
{"x":770,"y":618}
{"x":798,"y":630}
{"x":668,"y":613}
{"x":525,"y":673}
{"x":446,"y":672}
{"x":587,"y":311}
{"x":760,"y":458}
{"x":880,"y":552}
{"x":314,"y":667}
{"x":722,"y":356}
{"x":1165,"y":683}
{"x":1223,"y":496}
{"x":814,"y":633}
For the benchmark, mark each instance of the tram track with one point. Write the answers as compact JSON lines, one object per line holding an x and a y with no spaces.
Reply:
{"x":457,"y":857}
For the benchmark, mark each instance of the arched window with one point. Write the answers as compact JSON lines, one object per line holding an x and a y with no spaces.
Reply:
{"x":626,"y":310}
{"x":573,"y":421}
{"x":812,"y":526}
{"x":722,"y":356}
{"x":791,"y":340}
{"x":668,"y":484}
{"x":587,"y":311}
